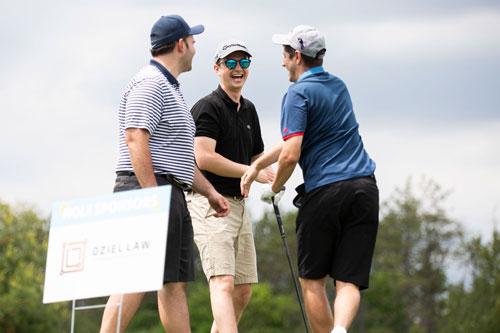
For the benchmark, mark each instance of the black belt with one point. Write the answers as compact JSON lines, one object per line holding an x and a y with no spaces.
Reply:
{"x":238,"y":197}
{"x":169,"y":178}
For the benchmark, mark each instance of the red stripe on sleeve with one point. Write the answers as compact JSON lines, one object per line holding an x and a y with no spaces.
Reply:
{"x":292,"y":135}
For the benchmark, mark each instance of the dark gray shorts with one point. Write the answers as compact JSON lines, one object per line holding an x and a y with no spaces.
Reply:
{"x":179,"y":258}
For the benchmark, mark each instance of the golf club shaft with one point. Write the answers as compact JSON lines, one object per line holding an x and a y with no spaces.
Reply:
{"x":288,"y":256}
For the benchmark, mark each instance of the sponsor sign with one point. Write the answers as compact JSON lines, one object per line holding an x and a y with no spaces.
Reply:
{"x":107,"y":245}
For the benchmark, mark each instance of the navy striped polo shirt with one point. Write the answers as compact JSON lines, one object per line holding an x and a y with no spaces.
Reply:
{"x":153,"y":101}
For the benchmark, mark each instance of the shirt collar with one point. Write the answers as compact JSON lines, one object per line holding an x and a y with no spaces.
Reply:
{"x":165,"y":72}
{"x":225,"y":96}
{"x":311,"y":71}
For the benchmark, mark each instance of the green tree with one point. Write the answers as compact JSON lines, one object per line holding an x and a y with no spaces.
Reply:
{"x":476,"y":308}
{"x":271,"y":312}
{"x":200,"y":310}
{"x":415,"y":243}
{"x":23,"y":247}
{"x":271,"y":258}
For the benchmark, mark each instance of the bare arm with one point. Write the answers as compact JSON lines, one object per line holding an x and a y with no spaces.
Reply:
{"x":204,"y":187}
{"x":208,"y":159}
{"x":201,"y":185}
{"x":137,"y":140}
{"x":288,"y":159}
{"x":265,"y":175}
{"x":268,"y":158}
{"x":262,"y":162}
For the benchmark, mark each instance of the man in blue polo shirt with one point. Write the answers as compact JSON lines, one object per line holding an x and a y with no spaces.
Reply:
{"x":337,"y":220}
{"x":156,"y":141}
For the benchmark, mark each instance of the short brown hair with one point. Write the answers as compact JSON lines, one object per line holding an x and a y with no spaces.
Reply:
{"x":165,"y":49}
{"x":308,"y":61}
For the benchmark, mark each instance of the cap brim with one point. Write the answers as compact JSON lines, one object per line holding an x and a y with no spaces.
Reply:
{"x":197,"y":29}
{"x":281,"y":39}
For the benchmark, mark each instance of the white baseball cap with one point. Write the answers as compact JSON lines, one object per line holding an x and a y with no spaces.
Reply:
{"x":305,"y":39}
{"x":229,"y":46}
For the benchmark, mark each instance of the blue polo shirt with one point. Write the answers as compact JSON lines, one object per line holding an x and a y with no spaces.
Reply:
{"x":319,"y":108}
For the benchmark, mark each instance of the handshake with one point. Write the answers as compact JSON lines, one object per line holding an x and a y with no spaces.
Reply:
{"x":265,"y":176}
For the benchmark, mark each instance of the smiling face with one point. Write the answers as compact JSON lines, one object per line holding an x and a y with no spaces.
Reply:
{"x":232,"y":79}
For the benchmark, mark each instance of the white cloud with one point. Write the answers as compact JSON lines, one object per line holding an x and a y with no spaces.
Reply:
{"x":470,"y":35}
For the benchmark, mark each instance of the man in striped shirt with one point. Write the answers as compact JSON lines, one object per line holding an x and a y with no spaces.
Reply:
{"x":156,"y":135}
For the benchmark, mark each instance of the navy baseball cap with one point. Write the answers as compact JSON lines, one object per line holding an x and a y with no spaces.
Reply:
{"x":170,"y":28}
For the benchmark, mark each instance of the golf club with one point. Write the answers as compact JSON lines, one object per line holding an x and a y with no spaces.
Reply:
{"x":287,"y":251}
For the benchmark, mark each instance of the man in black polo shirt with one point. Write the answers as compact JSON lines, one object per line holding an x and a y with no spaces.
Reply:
{"x":227,"y":140}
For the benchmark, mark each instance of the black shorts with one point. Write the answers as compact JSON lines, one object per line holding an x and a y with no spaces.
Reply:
{"x":179,"y":258}
{"x":336,"y":231}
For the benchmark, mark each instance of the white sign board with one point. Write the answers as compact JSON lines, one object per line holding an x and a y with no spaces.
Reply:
{"x":107,"y":245}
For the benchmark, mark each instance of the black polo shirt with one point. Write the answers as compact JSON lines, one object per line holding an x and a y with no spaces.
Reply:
{"x":237,"y":133}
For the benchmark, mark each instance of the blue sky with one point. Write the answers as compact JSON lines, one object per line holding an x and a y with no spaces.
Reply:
{"x":423,"y":77}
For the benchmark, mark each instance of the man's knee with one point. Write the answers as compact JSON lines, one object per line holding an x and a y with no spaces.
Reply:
{"x":222,"y":284}
{"x":174,"y":288}
{"x":243,"y":293}
{"x":313,"y":285}
{"x":348,"y":288}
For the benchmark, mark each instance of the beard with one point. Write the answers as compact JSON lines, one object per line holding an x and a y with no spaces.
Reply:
{"x":187,"y":64}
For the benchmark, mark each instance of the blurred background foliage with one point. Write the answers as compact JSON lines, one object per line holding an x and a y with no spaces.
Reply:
{"x":428,"y":276}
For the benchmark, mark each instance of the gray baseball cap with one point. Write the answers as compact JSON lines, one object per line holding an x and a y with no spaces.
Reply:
{"x":229,"y":46}
{"x":305,"y":39}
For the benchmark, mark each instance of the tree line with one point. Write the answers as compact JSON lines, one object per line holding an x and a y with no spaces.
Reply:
{"x":428,"y":276}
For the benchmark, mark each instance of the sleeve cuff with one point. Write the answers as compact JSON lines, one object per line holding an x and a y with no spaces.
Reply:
{"x":292,"y":135}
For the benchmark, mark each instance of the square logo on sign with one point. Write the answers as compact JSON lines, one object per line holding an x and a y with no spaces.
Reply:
{"x":73,"y":257}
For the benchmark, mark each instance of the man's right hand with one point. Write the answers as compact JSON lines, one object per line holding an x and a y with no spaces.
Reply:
{"x":218,"y":203}
{"x":265,"y":176}
{"x":247,"y":179}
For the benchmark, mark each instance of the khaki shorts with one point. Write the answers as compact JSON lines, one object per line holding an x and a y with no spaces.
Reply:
{"x":225,"y":244}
